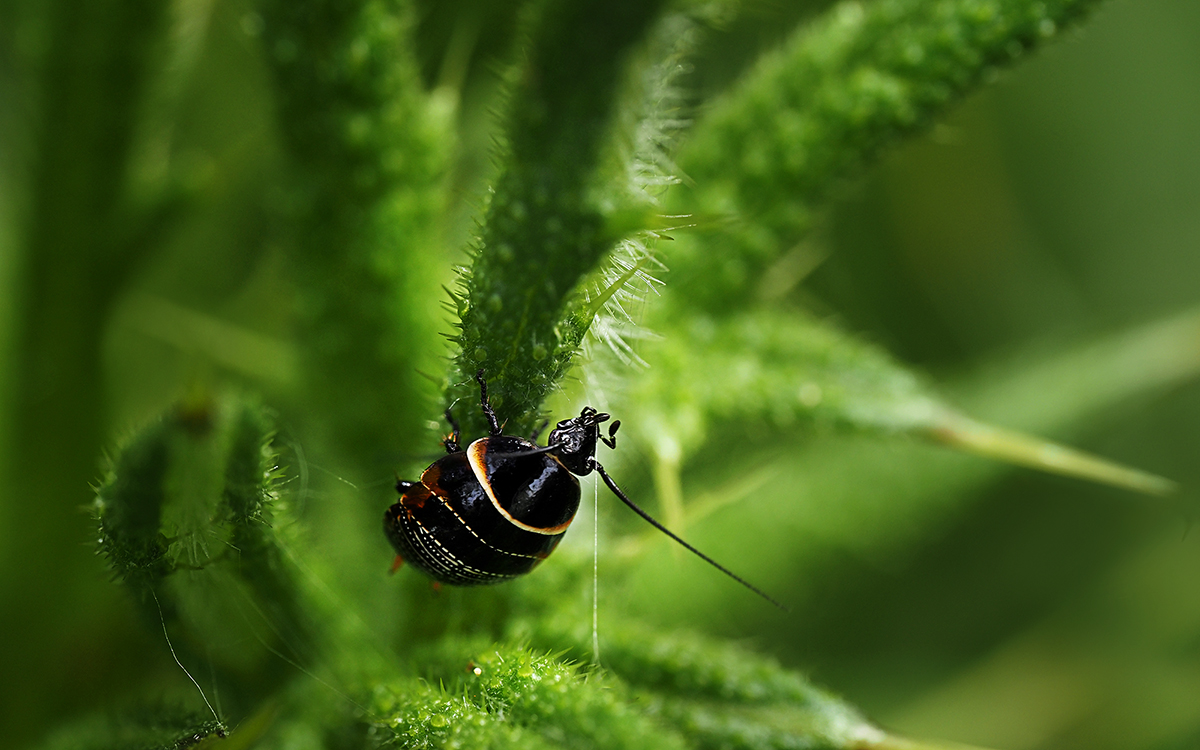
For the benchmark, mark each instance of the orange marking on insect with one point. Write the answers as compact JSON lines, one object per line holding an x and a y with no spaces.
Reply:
{"x":431,"y":478}
{"x":415,"y":498}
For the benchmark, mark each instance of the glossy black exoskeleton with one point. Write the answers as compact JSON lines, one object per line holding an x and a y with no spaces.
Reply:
{"x":497,"y":508}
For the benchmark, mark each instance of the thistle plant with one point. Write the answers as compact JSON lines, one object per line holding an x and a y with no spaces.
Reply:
{"x":640,"y":242}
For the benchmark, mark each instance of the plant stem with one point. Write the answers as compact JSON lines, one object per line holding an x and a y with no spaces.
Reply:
{"x":544,"y":228}
{"x":79,"y":249}
{"x":368,"y":154}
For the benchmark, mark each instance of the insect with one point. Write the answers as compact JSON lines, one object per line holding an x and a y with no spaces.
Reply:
{"x":494,"y":510}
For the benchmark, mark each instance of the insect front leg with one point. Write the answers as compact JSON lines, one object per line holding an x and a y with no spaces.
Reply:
{"x":611,"y":440}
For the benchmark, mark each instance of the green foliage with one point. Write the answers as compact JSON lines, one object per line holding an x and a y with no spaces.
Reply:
{"x":367,"y":154}
{"x":546,"y":224}
{"x":825,"y":103}
{"x":160,"y":730}
{"x":536,"y":698}
{"x":662,"y":233}
{"x":661,"y":691}
{"x":191,"y":521}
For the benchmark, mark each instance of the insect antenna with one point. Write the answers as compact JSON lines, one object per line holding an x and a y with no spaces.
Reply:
{"x":649,"y":519}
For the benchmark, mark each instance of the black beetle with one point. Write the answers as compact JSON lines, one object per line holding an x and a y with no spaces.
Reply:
{"x":495,"y":510}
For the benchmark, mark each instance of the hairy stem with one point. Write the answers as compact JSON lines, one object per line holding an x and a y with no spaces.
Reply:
{"x":545,"y":227}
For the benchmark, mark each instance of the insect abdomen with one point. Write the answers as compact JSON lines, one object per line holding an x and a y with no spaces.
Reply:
{"x":451,"y":527}
{"x":444,"y":546}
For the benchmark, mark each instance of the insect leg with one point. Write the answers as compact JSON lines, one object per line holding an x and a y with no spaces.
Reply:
{"x":451,"y":442}
{"x":611,"y":440}
{"x":493,"y":423}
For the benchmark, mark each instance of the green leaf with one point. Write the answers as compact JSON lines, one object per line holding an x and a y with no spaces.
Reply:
{"x":766,"y":369}
{"x":769,"y":152}
{"x":188,"y":521}
{"x":860,"y":497}
{"x":545,"y":227}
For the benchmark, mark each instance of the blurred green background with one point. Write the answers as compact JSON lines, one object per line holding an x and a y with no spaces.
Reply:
{"x":1059,"y":206}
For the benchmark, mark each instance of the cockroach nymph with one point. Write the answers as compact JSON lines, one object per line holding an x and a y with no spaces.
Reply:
{"x":494,"y":510}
